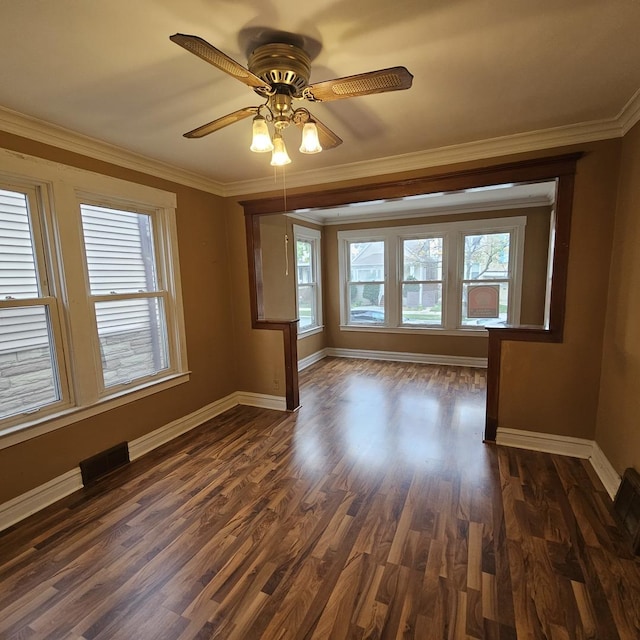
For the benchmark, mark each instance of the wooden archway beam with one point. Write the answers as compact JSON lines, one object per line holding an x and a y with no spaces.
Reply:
{"x":561,"y":168}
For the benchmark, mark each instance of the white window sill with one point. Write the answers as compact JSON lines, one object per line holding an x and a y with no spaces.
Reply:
{"x":15,"y":434}
{"x":310,"y":332}
{"x":481,"y":332}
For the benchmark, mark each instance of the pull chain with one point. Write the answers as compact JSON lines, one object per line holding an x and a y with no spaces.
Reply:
{"x":286,"y":236}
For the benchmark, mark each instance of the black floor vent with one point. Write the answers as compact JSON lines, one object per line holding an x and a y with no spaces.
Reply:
{"x":627,"y":505}
{"x":102,"y":463}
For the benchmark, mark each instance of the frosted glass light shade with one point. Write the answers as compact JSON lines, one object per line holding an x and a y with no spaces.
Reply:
{"x":310,"y":142}
{"x":261,"y":141}
{"x":280,"y":156}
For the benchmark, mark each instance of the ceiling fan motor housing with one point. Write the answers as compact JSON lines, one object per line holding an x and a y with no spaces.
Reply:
{"x":281,"y":66}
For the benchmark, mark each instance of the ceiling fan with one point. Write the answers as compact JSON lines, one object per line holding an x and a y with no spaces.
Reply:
{"x":279,"y":73}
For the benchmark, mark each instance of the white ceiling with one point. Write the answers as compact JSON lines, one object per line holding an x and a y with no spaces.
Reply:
{"x":489,"y":198}
{"x":512,"y":72}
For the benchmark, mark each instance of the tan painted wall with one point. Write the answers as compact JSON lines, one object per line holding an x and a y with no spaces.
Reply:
{"x":279,"y":288}
{"x":258,"y":353}
{"x":207,"y":299}
{"x":309,"y":345}
{"x":618,"y":424}
{"x":535,"y":265}
{"x":278,"y":267}
{"x":533,"y":289}
{"x":553,"y":388}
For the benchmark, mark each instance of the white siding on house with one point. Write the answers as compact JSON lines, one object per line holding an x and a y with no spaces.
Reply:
{"x":119,"y":251}
{"x":20,"y":327}
{"x":18,"y":277}
{"x":121,"y":264}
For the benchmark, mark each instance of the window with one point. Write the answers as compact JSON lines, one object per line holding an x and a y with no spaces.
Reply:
{"x":308,"y":281}
{"x":366,"y":281}
{"x":90,"y":306}
{"x":486,"y":279}
{"x":126,"y":293}
{"x":29,"y":325}
{"x":454,"y":277}
{"x":422,"y":281}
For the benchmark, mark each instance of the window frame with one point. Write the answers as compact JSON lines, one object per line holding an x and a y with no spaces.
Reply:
{"x":514,"y":284}
{"x":453,"y":234}
{"x":159,"y":229}
{"x":48,"y":284}
{"x":314,"y":237}
{"x":443,"y":281}
{"x":347,"y":269}
{"x":61,"y":189}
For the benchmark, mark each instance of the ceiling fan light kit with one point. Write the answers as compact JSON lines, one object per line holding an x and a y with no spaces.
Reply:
{"x":310,"y":141}
{"x":280,"y":113}
{"x":261,"y":142}
{"x":279,"y":157}
{"x":279,"y":73}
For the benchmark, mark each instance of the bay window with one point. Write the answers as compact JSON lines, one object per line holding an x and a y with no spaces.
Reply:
{"x":451,"y":277}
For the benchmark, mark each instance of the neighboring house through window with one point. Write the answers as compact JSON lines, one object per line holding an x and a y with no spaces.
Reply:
{"x":453,"y":277}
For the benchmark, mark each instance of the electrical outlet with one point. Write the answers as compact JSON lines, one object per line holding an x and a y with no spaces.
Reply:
{"x":276,"y":384}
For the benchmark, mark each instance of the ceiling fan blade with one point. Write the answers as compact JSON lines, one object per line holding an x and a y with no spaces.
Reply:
{"x":225,"y":121}
{"x":380,"y":81}
{"x":222,"y":61}
{"x":328,"y":139}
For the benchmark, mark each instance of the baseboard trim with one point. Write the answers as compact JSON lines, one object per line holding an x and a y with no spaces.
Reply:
{"x":36,"y":499}
{"x":546,"y":442}
{"x":401,"y":356}
{"x":303,"y":363}
{"x":607,"y":474}
{"x":157,"y":438}
{"x":261,"y":400}
{"x":564,"y":446}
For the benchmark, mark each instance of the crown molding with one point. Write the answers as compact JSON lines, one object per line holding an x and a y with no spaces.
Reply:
{"x":478,"y":150}
{"x":630,"y":113}
{"x":41,"y":131}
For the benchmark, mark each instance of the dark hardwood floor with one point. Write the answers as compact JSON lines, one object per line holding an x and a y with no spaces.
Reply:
{"x":373,"y":512}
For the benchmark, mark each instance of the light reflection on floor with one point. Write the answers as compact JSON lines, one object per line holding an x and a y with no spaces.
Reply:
{"x":375,"y":416}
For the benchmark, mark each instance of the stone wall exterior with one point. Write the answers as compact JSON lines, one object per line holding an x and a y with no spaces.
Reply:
{"x":27,"y":380}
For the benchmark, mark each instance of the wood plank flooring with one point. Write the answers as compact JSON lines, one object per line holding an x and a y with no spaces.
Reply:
{"x":373,"y":512}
